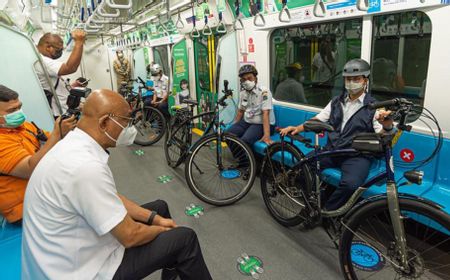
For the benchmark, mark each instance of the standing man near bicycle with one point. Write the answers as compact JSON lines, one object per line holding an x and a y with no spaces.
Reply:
{"x":349,"y":115}
{"x":255,"y":119}
{"x":160,"y":89}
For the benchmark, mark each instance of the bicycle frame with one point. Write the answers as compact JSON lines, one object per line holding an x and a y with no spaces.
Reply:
{"x":391,"y":191}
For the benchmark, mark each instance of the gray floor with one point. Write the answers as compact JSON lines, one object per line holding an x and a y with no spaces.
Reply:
{"x":226,"y":232}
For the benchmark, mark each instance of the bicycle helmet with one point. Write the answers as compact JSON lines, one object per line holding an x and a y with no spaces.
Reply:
{"x":356,"y":67}
{"x":155,"y":69}
{"x":248,"y":68}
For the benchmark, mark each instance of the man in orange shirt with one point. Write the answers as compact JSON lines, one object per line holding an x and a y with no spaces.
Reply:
{"x":20,"y":151}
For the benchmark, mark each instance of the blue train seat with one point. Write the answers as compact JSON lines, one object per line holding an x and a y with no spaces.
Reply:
{"x":436,"y":183}
{"x":10,"y":248}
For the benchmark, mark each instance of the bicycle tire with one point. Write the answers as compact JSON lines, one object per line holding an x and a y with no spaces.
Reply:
{"x":151,"y":126}
{"x":359,"y":257}
{"x":203,"y":190}
{"x":287,"y":186}
{"x":179,"y":138}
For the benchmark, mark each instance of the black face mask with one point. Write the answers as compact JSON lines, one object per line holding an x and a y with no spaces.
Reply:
{"x":57,"y":54}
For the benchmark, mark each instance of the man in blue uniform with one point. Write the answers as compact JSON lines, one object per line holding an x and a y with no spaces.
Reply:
{"x":349,"y":115}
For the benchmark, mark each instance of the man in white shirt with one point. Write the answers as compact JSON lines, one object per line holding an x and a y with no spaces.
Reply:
{"x":160,"y":89}
{"x":51,"y":47}
{"x":76,"y":225}
{"x":349,"y":115}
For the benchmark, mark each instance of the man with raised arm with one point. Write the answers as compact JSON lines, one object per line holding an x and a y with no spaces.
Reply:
{"x":51,"y":48}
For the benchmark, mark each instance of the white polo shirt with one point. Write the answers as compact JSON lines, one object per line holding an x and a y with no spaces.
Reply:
{"x":53,"y":66}
{"x":71,"y":205}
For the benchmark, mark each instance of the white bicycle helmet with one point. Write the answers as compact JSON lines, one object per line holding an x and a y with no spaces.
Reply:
{"x":155,"y":69}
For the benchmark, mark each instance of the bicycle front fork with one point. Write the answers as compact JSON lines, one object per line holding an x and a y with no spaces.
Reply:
{"x":395,"y":213}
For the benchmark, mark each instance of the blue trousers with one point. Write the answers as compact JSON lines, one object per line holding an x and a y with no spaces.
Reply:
{"x":248,"y":132}
{"x":354,"y":173}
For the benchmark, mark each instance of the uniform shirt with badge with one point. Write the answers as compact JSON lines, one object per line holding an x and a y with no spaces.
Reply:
{"x":253,"y":104}
{"x":161,"y":86}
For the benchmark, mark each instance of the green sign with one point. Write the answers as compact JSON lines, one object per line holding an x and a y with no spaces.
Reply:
{"x":180,"y":72}
{"x":164,"y":179}
{"x":194,"y":210}
{"x":139,"y":152}
{"x":250,"y":265}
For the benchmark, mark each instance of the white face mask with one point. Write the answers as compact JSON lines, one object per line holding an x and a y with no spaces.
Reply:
{"x":248,"y":85}
{"x":354,"y":87}
{"x":126,"y":136}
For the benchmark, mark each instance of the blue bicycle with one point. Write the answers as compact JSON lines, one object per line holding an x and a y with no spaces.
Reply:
{"x":390,"y":236}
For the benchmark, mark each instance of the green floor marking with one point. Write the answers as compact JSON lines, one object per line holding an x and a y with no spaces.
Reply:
{"x":139,"y":152}
{"x":194,"y":210}
{"x":164,"y":179}
{"x":250,"y":265}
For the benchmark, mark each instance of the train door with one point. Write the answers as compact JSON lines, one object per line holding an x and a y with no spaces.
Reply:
{"x":205,"y":48}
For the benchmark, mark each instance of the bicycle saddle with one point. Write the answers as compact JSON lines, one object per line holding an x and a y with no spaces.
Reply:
{"x":317,"y":126}
{"x":190,"y":102}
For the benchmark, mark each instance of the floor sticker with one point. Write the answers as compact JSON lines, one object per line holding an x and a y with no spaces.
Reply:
{"x":194,"y":210}
{"x":164,"y":179}
{"x":250,"y":265}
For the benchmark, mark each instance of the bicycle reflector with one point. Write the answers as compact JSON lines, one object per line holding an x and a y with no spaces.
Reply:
{"x":414,"y":176}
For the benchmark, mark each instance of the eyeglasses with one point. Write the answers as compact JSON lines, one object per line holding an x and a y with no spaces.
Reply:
{"x":130,"y":120}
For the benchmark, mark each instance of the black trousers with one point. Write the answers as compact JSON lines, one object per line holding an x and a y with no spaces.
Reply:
{"x":354,"y":173}
{"x":176,"y":251}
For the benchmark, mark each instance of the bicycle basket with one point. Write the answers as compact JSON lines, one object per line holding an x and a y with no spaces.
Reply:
{"x":368,"y":143}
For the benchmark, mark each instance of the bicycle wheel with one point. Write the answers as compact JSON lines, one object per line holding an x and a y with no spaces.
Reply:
{"x":177,"y":143}
{"x":281,"y":185}
{"x":220,"y":182}
{"x":367,"y":247}
{"x":151,"y":126}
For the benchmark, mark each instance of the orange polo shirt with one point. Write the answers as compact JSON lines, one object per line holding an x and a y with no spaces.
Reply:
{"x":15,"y":145}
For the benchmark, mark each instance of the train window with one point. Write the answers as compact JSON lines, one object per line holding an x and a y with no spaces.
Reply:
{"x":307,"y":61}
{"x":400,"y":53}
{"x":160,"y":57}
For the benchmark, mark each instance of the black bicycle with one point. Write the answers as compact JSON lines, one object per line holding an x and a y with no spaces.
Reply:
{"x":390,"y":236}
{"x":219,"y":167}
{"x":149,"y":121}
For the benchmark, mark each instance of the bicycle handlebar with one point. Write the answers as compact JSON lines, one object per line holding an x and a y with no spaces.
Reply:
{"x":390,"y":103}
{"x":227,"y":93}
{"x":141,"y":81}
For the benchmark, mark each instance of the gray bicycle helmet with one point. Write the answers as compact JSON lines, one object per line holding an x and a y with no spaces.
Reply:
{"x":248,"y":68}
{"x":356,"y":67}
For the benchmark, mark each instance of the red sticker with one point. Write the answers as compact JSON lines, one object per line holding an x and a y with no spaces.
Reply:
{"x":407,"y":155}
{"x":321,"y":135}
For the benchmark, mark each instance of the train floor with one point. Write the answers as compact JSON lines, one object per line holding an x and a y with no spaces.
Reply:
{"x":226,"y":232}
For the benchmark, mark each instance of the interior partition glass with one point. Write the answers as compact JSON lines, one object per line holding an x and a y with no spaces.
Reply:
{"x":400,"y":54}
{"x":161,"y":57}
{"x":307,"y":60}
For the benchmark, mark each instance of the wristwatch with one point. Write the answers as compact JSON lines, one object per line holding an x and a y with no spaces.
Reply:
{"x":152,"y":216}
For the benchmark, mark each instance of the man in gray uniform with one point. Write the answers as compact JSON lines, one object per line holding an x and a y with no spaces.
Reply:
{"x":255,"y":119}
